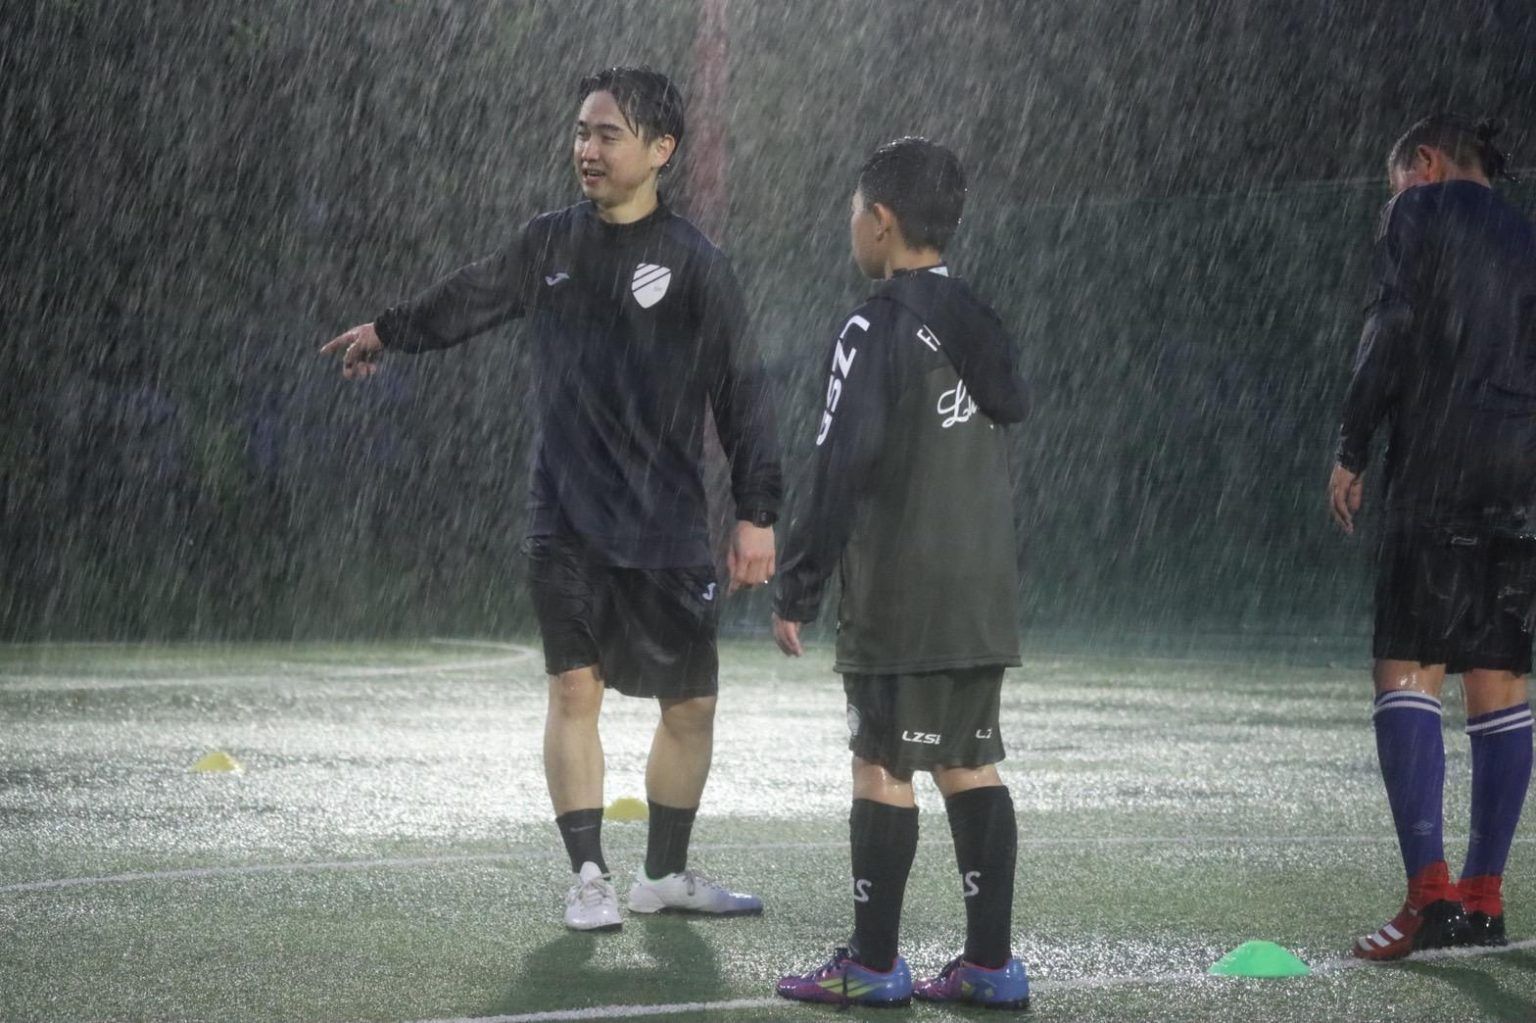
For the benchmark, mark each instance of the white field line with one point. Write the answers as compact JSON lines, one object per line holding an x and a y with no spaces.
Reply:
{"x":283,"y":672}
{"x":129,"y":644}
{"x":409,"y":862}
{"x":620,"y":1011}
{"x":1041,"y":985}
{"x":318,"y":866}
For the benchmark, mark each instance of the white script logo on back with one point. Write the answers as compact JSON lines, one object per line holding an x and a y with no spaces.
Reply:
{"x":956,"y":406}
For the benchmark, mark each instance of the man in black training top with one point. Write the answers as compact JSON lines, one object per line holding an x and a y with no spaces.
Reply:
{"x":912,"y":502}
{"x":638,"y":328}
{"x":1449,"y":357}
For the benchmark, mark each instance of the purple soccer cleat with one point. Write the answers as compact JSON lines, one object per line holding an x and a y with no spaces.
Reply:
{"x":1006,"y":987}
{"x":842,"y":980}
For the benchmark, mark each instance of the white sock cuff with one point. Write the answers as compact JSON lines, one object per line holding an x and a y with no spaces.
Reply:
{"x":1509,"y":720}
{"x":1405,"y":699}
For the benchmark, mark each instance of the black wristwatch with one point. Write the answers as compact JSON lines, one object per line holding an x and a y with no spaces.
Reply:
{"x":759,"y":518}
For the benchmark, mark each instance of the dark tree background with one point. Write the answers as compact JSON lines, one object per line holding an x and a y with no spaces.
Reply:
{"x":1172,"y":201}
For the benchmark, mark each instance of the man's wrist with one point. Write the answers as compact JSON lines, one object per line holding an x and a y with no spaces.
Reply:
{"x":762,"y":518}
{"x":798,"y":615}
{"x":1350,"y":461}
{"x":383,"y":328}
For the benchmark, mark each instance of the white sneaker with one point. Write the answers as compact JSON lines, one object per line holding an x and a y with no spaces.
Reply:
{"x":689,"y":892}
{"x":592,"y":904}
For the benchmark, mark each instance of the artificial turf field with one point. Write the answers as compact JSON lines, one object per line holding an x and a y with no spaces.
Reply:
{"x":387,"y":854}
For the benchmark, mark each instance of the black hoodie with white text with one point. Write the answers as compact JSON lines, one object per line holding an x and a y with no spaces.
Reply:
{"x":912,"y":499}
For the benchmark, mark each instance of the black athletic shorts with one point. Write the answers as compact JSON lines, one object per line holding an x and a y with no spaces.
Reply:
{"x":1462,"y":597}
{"x":648,"y":632}
{"x":908,"y":723}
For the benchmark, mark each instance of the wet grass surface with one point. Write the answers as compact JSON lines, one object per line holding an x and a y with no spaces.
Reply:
{"x":386,"y":853}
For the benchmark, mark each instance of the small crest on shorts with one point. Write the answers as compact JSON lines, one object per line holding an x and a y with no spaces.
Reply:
{"x":853,"y":721}
{"x":649,"y":284}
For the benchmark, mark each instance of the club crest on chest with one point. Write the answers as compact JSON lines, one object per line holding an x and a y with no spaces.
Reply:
{"x":649,"y":284}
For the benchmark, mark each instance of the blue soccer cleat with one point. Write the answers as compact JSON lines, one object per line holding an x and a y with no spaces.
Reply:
{"x":843,"y":980}
{"x":1006,"y":987}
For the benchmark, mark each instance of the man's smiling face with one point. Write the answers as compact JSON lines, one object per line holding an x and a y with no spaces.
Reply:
{"x":613,"y":161}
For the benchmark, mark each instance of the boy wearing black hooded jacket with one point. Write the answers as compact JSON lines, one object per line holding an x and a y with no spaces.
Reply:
{"x":912,"y":503}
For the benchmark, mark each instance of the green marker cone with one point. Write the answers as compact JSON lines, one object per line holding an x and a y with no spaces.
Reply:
{"x":1259,"y":959}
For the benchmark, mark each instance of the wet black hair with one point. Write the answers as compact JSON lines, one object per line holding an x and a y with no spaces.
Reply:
{"x":922,"y":183}
{"x":1467,"y":143}
{"x":647,"y":99}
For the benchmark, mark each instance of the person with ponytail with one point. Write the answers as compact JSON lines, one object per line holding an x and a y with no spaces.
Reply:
{"x":1448,"y":361}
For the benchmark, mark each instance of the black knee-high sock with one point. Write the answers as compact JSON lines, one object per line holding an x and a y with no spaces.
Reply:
{"x":884,"y":841}
{"x":666,"y":843}
{"x":582,"y":831}
{"x":986,"y":849}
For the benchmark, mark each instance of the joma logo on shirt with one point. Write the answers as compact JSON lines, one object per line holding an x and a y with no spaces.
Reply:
{"x":842,"y":365}
{"x":926,"y":738}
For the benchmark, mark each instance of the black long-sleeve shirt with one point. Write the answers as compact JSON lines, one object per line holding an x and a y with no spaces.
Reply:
{"x":637,"y":330}
{"x":1448,"y":355}
{"x":912,"y":499}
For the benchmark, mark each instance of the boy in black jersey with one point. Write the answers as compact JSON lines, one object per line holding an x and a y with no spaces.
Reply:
{"x":912,"y":504}
{"x":1447,"y":357}
{"x":638,"y":328}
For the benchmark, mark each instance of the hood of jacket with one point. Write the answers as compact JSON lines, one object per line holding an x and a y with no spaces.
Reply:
{"x":970,"y":335}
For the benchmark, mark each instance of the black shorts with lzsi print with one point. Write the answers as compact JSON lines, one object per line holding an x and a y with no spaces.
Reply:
{"x":918,"y":722}
{"x":646,"y":632}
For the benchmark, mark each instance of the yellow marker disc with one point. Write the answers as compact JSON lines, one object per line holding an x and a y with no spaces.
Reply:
{"x":217,"y":762}
{"x":627,"y":808}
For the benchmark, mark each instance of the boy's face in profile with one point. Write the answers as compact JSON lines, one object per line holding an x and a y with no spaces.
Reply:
{"x":868,"y":238}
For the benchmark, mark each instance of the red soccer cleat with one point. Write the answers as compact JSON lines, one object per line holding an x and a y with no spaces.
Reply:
{"x":1483,"y":894}
{"x":1441,"y":924}
{"x":1432,"y":917}
{"x":1483,"y":897}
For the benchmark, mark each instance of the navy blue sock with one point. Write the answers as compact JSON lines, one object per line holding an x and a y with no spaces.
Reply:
{"x":1501,"y":773}
{"x":1412,"y":754}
